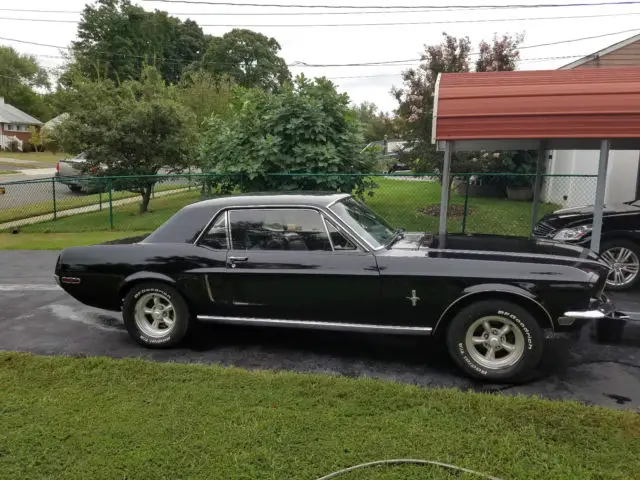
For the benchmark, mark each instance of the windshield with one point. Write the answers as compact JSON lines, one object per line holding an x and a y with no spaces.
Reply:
{"x":364,"y":221}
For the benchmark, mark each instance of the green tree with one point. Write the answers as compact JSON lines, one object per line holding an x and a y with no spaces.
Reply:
{"x":377,"y":125}
{"x":205,"y":94}
{"x":308,"y":127}
{"x":117,"y":39}
{"x":249,"y":58}
{"x":416,"y":97}
{"x":135,"y":128}
{"x":39,"y":138}
{"x":20,"y":80}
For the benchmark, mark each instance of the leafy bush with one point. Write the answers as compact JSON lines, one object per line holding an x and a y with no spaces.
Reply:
{"x":13,"y":145}
{"x":304,"y":130}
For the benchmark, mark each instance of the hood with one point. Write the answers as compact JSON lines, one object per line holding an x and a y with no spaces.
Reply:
{"x":498,"y":248}
{"x":567,"y":217}
{"x":490,"y":243}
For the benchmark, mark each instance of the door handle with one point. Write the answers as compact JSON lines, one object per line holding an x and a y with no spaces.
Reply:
{"x":234,"y":260}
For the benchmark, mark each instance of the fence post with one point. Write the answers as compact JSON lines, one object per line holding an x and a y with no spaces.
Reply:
{"x":466,"y":203}
{"x":189,"y":178}
{"x":53,"y":191}
{"x":100,"y":198}
{"x":110,"y":204}
{"x":537,"y":185}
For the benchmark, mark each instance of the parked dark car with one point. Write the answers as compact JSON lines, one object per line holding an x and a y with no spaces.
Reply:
{"x":619,"y":242}
{"x":326,"y":261}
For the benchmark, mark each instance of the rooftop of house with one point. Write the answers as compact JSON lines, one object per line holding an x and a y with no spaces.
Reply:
{"x":10,"y":114}
{"x":601,"y":53}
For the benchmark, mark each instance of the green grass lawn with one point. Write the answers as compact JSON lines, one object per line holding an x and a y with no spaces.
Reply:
{"x":7,"y":172}
{"x":58,"y":241}
{"x":35,"y":156}
{"x":64,"y":203}
{"x":125,"y":217}
{"x":397,"y":200}
{"x":97,"y":418}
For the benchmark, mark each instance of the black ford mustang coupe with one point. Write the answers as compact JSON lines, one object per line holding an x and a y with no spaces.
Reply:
{"x":326,"y":261}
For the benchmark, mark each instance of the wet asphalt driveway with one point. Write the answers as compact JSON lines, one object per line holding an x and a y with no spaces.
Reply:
{"x":37,"y":316}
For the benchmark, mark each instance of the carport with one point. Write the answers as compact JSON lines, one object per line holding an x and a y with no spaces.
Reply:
{"x":586,"y":109}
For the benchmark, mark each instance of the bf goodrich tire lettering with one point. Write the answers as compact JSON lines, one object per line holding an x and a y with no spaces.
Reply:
{"x":495,"y":340}
{"x":156,"y":315}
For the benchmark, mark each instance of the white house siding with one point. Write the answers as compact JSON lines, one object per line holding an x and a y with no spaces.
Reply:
{"x":622,"y":176}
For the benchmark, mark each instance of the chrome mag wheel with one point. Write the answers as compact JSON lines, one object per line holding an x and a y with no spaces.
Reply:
{"x":495,"y":342}
{"x":624,"y":264}
{"x":155,"y":315}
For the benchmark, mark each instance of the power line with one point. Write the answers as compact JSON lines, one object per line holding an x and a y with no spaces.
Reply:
{"x":358,"y":64}
{"x":410,"y":60}
{"x":232,"y":14}
{"x":523,"y":60}
{"x":399,"y":7}
{"x":379,"y":24}
{"x":376,"y":75}
{"x":33,"y":43}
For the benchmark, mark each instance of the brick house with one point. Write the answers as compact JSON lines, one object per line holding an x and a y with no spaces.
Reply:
{"x":623,"y":173}
{"x":15,"y":123}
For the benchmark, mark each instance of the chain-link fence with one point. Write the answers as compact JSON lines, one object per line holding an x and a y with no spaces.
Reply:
{"x":492,"y":203}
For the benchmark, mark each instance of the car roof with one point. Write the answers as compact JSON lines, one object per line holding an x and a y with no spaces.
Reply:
{"x":186,"y":224}
{"x":314,"y":199}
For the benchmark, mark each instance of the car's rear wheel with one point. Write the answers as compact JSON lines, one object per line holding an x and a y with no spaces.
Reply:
{"x":496,"y":341}
{"x":623,"y":258}
{"x":156,"y":315}
{"x":75,"y":188}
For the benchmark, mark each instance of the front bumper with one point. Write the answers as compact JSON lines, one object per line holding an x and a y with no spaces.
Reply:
{"x":601,"y":309}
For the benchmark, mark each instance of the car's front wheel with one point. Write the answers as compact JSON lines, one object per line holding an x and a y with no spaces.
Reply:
{"x":623,"y":258}
{"x":495,"y":341}
{"x":156,"y":315}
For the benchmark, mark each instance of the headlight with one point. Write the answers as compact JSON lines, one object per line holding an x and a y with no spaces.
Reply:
{"x":571,"y":234}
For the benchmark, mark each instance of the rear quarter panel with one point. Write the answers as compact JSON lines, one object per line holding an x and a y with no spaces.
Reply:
{"x":105,"y":271}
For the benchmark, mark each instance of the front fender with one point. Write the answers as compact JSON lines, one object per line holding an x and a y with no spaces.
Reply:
{"x":468,"y":294}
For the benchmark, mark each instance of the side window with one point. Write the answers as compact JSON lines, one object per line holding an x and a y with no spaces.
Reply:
{"x":339,"y":241}
{"x":216,"y":237}
{"x":278,"y":229}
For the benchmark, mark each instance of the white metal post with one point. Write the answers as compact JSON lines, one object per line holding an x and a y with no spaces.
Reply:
{"x":537,"y":186}
{"x":596,"y":230}
{"x":444,"y":197}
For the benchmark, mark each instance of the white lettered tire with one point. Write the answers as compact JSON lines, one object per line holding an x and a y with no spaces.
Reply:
{"x":496,"y":341}
{"x":156,"y":315}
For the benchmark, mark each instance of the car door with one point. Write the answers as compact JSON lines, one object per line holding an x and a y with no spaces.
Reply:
{"x":283,"y":264}
{"x":214,"y":244}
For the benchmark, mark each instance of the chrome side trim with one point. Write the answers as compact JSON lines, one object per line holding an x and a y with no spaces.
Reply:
{"x":585,"y":314}
{"x":489,"y":292}
{"x":336,"y":326}
{"x":326,"y":229}
{"x":227,"y":224}
{"x":208,"y":286}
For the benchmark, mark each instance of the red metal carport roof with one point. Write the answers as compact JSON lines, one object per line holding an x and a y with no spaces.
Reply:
{"x":571,"y":108}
